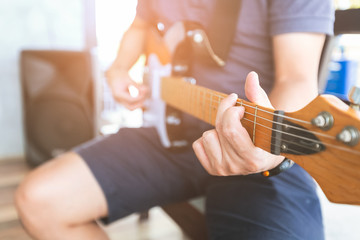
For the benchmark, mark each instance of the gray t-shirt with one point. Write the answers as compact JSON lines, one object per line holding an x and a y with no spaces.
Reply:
{"x":251,"y":50}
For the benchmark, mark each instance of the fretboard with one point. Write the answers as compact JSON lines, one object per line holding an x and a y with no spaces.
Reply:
{"x":203,"y":103}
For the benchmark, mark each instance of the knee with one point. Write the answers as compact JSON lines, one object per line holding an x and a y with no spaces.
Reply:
{"x":32,"y":201}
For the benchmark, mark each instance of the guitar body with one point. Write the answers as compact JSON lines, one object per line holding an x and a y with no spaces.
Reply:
{"x":166,"y":119}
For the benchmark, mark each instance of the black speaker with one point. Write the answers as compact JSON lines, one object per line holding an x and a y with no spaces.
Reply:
{"x":58,"y":102}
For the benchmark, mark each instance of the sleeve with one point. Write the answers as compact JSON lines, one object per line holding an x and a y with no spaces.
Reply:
{"x":315,"y":16}
{"x":144,"y":10}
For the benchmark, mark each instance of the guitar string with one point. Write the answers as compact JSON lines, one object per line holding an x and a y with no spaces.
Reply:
{"x":296,"y":136}
{"x":288,"y":141}
{"x":275,"y":114}
{"x":279,"y":145}
{"x":293,"y":127}
{"x":283,"y":124}
{"x":206,"y":91}
{"x":319,"y":142}
{"x":304,"y":130}
{"x":304,"y":138}
{"x":289,"y":150}
{"x":241,"y":102}
{"x":263,"y":146}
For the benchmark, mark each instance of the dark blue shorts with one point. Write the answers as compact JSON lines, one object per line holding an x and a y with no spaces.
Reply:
{"x":136,"y":173}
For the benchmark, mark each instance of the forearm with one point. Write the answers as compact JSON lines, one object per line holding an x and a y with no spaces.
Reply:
{"x":296,"y":58}
{"x":293,"y":94}
{"x":131,"y":47}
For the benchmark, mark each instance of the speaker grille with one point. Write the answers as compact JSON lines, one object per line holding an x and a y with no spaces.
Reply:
{"x":58,"y":99}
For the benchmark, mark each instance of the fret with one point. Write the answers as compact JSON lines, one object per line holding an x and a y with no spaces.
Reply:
{"x":195,"y":105}
{"x":186,"y":94}
{"x":191,"y":101}
{"x":255,"y":115}
{"x":192,"y":97}
{"x":203,"y":105}
{"x":189,"y":96}
{"x":198,"y":103}
{"x":219,"y":101}
{"x":210,"y":107}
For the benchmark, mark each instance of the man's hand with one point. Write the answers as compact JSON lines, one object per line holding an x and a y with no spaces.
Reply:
{"x":228,"y":149}
{"x":121,"y":85}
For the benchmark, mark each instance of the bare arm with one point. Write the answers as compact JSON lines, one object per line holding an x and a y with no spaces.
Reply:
{"x":228,"y":149}
{"x":296,"y":57}
{"x":131,"y":47}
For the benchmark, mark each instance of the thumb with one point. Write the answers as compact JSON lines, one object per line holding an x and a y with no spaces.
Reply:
{"x":254,"y":92}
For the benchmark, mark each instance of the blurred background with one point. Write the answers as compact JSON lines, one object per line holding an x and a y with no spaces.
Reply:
{"x":79,"y":25}
{"x":38,"y":36}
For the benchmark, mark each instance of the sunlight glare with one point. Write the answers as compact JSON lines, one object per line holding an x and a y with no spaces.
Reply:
{"x":113,"y":18}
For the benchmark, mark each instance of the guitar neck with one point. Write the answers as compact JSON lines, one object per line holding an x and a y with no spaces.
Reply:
{"x":203,"y":103}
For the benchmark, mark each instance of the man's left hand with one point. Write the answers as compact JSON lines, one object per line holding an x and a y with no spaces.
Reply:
{"x":228,"y":149}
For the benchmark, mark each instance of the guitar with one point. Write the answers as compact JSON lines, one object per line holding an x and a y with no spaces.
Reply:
{"x":323,"y":137}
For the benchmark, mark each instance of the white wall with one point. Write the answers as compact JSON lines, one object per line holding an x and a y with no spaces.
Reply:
{"x":29,"y":24}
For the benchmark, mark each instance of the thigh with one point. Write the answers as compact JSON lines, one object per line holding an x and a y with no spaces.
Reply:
{"x":136,"y":173}
{"x":61,"y":188}
{"x":283,"y":207}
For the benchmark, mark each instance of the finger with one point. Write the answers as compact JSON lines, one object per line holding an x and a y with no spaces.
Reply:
{"x":233,"y":134}
{"x":212,"y":148}
{"x":254,"y":92}
{"x":126,"y":98}
{"x":201,"y":155}
{"x":138,"y":92}
{"x":136,"y":105}
{"x":227,"y":102}
{"x":143,"y":90}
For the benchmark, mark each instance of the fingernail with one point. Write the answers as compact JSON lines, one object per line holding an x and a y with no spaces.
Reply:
{"x":234,"y":96}
{"x":256,"y":76}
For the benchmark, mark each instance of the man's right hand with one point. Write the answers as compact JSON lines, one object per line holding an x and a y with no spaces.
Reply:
{"x":120,"y":83}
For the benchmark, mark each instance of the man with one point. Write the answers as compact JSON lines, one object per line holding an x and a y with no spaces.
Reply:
{"x":130,"y":171}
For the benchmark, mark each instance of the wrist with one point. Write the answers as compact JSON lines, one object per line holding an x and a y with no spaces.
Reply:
{"x":115,"y":73}
{"x":283,"y":166}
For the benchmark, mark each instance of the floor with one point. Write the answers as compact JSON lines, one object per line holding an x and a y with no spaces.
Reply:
{"x":11,"y":173}
{"x":341,"y":221}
